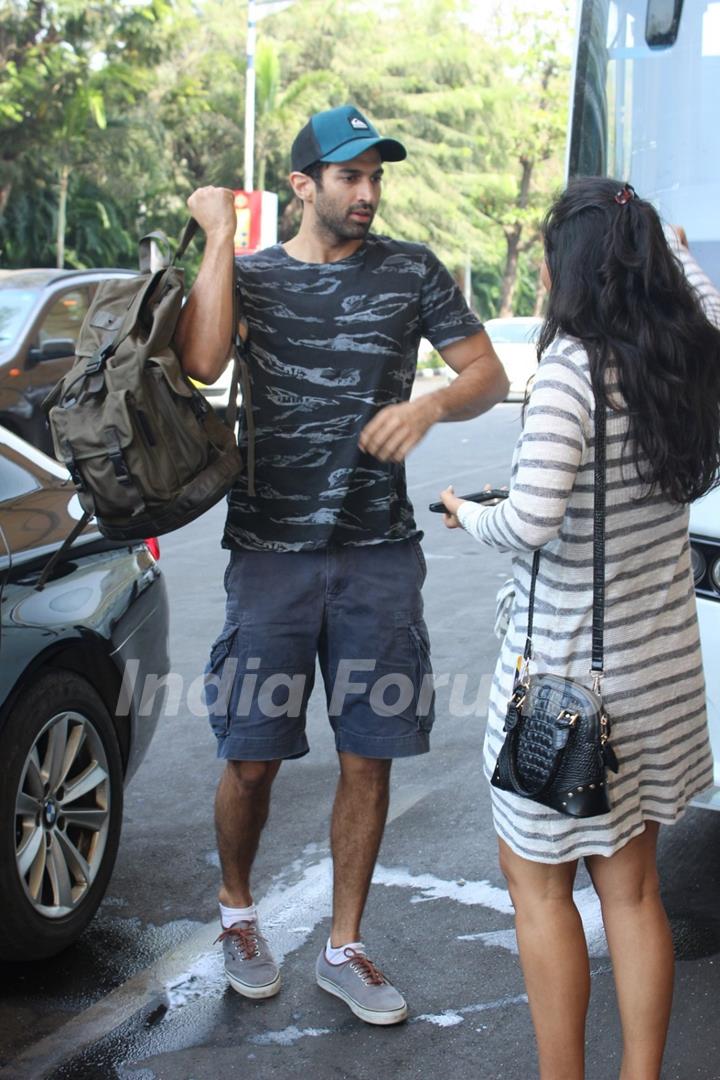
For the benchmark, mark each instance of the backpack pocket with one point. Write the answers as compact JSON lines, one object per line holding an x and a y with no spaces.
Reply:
{"x":175,"y":413}
{"x":109,"y":447}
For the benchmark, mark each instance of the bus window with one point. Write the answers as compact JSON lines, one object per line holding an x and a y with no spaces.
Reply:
{"x":649,"y":114}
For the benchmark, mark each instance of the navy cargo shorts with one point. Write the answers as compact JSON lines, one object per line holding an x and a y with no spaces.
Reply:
{"x":356,"y":610}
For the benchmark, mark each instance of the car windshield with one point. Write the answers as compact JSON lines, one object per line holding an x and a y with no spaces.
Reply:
{"x":512,"y":332}
{"x":15,"y":305}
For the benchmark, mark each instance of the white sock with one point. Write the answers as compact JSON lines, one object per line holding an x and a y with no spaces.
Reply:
{"x":337,"y":956}
{"x":231,"y":915}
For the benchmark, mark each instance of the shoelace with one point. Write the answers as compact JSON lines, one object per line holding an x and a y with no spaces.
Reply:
{"x":245,"y":938}
{"x":368,"y":972}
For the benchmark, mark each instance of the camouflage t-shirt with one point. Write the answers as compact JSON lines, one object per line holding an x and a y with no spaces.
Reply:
{"x":329,"y":345}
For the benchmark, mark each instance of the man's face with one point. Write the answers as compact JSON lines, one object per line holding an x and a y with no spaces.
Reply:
{"x":348,"y":195}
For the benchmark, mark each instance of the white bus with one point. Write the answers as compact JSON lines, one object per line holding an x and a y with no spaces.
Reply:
{"x":646,"y":108}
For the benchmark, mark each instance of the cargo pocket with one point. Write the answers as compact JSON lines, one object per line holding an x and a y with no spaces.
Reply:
{"x":402,"y":685}
{"x":425,"y":694}
{"x":420,"y":556}
{"x":219,"y":680}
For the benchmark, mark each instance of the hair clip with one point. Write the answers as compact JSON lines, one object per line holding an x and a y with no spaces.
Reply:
{"x":624,"y":195}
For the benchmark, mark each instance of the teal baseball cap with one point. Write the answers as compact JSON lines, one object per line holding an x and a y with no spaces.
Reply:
{"x":340,"y":135}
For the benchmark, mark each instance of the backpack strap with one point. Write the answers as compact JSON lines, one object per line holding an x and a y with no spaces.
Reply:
{"x":241,"y":373}
{"x":145,"y":249}
{"x":185,"y":240}
{"x":67,"y":543}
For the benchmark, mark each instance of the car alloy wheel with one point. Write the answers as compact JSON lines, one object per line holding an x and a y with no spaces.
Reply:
{"x":62,"y":814}
{"x":61,"y":800}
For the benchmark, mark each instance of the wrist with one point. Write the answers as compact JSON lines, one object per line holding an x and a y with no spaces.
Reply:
{"x":461,"y":513}
{"x":432,"y":406}
{"x":220,"y":236}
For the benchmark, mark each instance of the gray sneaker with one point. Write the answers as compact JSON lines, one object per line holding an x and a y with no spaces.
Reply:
{"x":363,"y":987}
{"x":249,"y":964}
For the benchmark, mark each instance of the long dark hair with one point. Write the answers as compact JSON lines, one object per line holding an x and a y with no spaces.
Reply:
{"x":618,"y":288}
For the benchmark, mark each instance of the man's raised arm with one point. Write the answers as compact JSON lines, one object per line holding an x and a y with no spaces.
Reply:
{"x":204,"y":332}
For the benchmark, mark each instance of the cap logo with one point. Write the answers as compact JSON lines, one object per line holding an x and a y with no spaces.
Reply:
{"x":356,"y":122}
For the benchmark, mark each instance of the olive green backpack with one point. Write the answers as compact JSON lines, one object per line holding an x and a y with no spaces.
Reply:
{"x":144,"y":449}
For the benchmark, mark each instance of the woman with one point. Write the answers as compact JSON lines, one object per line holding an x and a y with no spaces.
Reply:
{"x":625,"y":329}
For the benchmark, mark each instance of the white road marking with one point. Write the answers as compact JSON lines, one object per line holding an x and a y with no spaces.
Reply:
{"x":287,"y":1036}
{"x":429,"y":887}
{"x":453,"y":1017}
{"x":446,"y":1019}
{"x":588,"y":905}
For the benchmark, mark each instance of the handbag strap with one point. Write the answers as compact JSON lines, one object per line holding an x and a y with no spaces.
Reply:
{"x":598,"y":616}
{"x":598,"y":620}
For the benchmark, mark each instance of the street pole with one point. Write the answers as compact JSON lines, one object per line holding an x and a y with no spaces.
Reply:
{"x":250,"y":99}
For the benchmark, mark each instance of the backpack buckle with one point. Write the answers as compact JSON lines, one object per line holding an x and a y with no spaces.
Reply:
{"x":199,"y":405}
{"x":76,"y":475}
{"x":72,"y":466}
{"x":96,"y":362}
{"x":116,"y":457}
{"x":117,"y":460}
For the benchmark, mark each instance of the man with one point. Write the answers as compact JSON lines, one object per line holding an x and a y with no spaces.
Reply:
{"x":325,"y":560}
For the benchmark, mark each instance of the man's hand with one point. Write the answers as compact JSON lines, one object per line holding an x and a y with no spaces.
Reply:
{"x":396,"y":429}
{"x":214,"y":210}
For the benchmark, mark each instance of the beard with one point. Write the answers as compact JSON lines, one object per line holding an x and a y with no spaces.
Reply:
{"x":337,"y":222}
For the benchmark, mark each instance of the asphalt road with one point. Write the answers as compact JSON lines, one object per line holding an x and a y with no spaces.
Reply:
{"x":143,"y":995}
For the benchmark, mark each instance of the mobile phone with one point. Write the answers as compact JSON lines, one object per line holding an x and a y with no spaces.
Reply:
{"x":476,"y":496}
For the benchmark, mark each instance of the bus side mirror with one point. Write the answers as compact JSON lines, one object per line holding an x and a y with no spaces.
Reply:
{"x":52,"y":349}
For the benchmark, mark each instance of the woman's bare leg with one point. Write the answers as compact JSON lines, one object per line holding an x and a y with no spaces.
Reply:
{"x":641,"y":949}
{"x":554,"y":958}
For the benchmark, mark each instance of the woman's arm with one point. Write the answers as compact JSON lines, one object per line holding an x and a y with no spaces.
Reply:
{"x":707,"y":294}
{"x":551,"y":447}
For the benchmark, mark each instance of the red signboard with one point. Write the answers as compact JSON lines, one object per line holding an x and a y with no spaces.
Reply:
{"x":248,"y":209}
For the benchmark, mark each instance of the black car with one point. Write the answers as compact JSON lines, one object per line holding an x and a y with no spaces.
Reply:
{"x":76,"y":657}
{"x":41,"y":312}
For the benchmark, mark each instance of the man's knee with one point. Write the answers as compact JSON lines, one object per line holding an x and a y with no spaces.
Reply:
{"x":251,"y":778}
{"x":373,"y":774}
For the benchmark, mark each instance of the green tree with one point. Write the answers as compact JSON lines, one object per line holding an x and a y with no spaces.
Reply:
{"x":72,"y":74}
{"x":482,"y":114}
{"x":527,"y":146}
{"x":282,"y":109}
{"x":126,"y":108}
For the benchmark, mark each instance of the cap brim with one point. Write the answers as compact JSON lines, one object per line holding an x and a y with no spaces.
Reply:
{"x":389,"y":149}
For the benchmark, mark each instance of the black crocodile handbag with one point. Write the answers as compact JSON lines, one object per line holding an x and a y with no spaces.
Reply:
{"x":557,"y":749}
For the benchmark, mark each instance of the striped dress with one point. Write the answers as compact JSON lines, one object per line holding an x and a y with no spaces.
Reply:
{"x":653,"y":687}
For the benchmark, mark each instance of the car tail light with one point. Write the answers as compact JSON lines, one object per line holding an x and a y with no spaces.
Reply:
{"x":153,"y":546}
